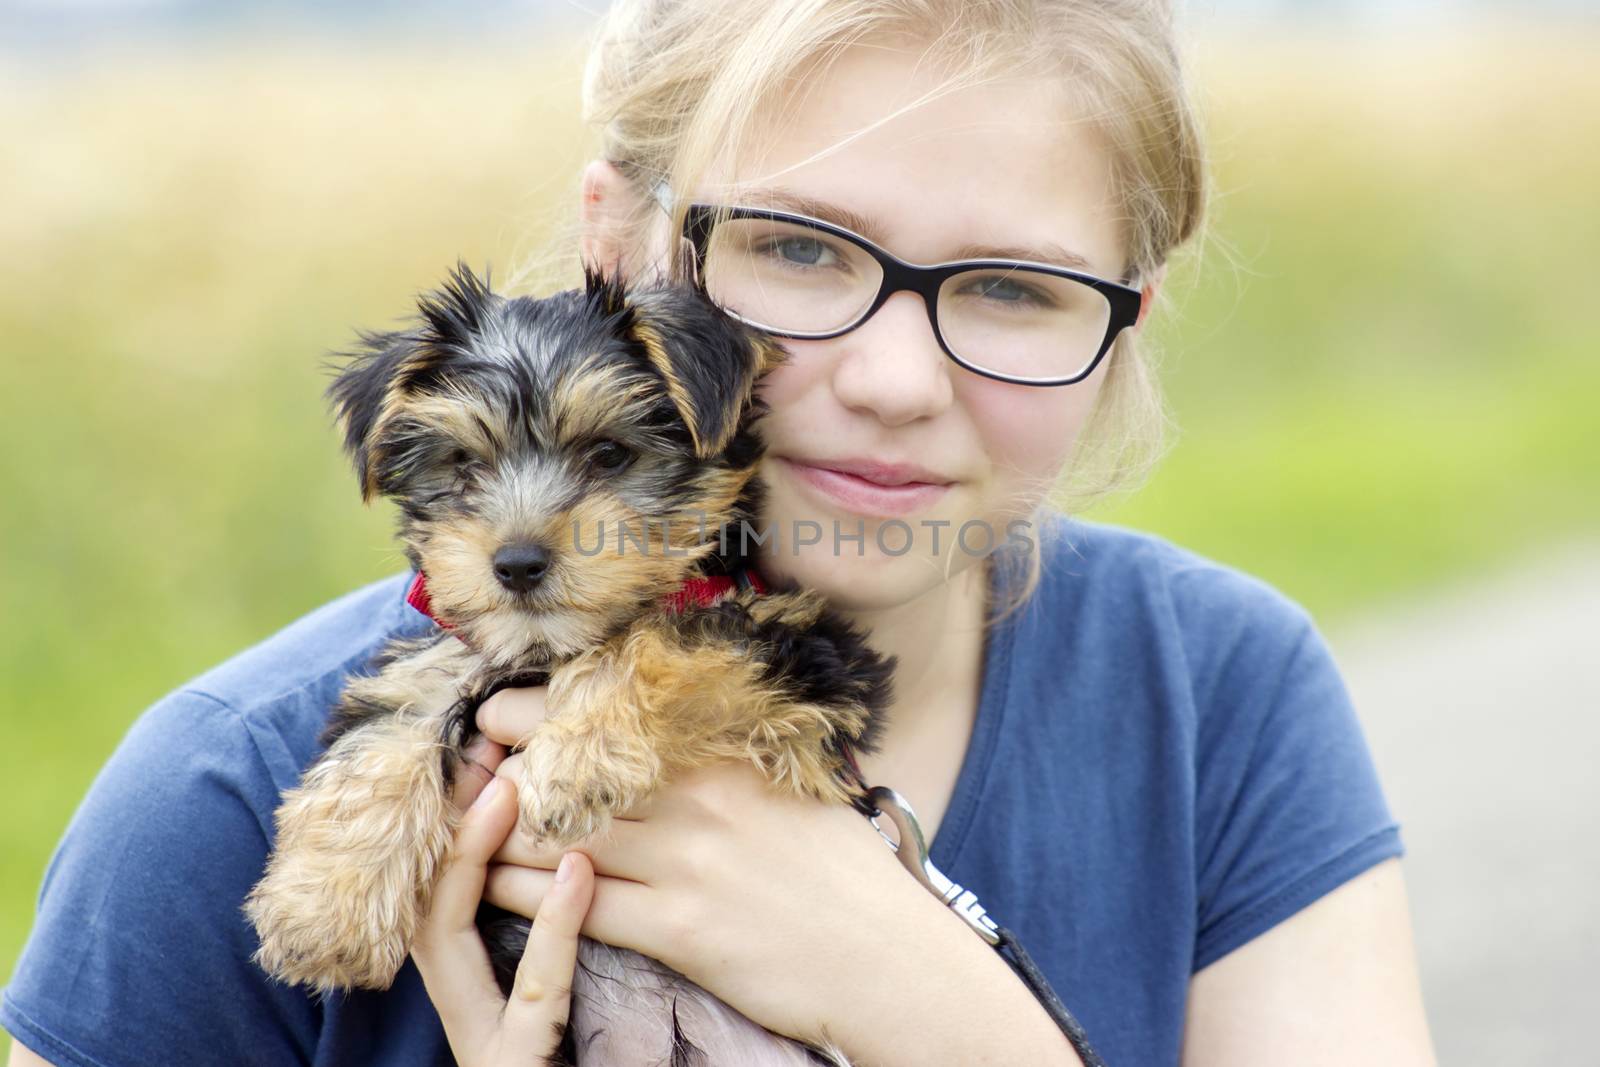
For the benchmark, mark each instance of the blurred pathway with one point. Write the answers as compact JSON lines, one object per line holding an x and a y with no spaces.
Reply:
{"x":1483,"y":711}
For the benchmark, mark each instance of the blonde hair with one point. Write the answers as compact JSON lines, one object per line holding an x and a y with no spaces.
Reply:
{"x":673,"y":86}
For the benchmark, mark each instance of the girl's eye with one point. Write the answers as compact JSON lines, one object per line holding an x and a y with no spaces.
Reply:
{"x":1003,"y":290}
{"x":799,"y":251}
{"x":609,"y":457}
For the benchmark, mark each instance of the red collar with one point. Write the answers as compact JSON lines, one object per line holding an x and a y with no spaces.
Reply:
{"x":707,"y":589}
{"x":699,"y":592}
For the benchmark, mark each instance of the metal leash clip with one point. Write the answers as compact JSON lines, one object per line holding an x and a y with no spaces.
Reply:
{"x":913,"y":853}
{"x":912,"y":848}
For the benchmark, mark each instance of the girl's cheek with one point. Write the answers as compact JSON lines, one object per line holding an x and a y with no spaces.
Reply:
{"x":1029,"y":432}
{"x":799,"y":410}
{"x":799,"y":372}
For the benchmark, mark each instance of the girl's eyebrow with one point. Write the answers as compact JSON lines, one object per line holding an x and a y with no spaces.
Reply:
{"x":819,"y":209}
{"x":1048,"y":253}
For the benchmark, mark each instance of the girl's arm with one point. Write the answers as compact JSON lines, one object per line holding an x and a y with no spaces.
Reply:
{"x":1336,"y":983}
{"x":22,"y":1056}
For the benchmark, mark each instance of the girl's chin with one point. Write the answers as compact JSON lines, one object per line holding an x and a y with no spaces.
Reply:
{"x":868,"y":581}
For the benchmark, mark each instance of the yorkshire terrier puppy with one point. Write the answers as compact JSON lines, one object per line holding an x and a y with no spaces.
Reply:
{"x":571,"y":472}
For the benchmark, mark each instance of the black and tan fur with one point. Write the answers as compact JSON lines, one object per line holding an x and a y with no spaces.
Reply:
{"x":496,"y":424}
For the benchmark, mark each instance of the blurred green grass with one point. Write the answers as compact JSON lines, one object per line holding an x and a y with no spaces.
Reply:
{"x":1381,"y":371}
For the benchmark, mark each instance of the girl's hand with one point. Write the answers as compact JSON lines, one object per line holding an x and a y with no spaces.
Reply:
{"x":483,"y":1028}
{"x":765,"y":899}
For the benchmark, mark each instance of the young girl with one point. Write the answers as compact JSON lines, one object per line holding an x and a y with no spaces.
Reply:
{"x":1143,"y":762}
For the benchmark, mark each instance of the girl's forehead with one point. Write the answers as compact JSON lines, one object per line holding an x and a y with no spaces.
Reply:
{"x":874,"y":146}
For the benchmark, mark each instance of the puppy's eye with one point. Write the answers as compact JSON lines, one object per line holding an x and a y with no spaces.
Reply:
{"x":461,"y":466}
{"x":609,"y":457}
{"x":462,"y":458}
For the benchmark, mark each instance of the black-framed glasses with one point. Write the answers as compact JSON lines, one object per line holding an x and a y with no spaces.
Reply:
{"x":1015,"y":321}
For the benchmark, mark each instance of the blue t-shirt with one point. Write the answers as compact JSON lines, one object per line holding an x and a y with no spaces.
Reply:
{"x":1165,"y":764}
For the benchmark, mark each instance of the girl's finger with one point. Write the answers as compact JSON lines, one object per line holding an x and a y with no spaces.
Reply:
{"x":619,"y":914}
{"x":478,"y":765}
{"x":541,"y":998}
{"x":625,"y":849}
{"x":512,"y":714}
{"x":447,"y":948}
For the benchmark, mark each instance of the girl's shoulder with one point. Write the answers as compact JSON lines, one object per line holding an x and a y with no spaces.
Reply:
{"x":1115,"y":586}
{"x":281,"y":689}
{"x":1079,"y":551}
{"x":1178,"y":730}
{"x":163,"y":849}
{"x":322,"y":645}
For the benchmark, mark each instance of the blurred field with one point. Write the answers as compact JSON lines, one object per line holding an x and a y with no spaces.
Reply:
{"x":1384,"y":376}
{"x":1380,"y":366}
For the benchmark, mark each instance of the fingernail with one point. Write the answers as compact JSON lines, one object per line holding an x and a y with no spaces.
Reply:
{"x":564,"y":868}
{"x":487,"y":796}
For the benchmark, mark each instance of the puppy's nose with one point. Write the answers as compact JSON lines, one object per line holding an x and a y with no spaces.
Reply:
{"x":519,"y":567}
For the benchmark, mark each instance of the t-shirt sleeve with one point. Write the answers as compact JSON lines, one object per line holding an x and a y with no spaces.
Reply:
{"x":1289,"y":804}
{"x":139,"y":952}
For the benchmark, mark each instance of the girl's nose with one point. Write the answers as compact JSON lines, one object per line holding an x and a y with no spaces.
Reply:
{"x":892,"y":365}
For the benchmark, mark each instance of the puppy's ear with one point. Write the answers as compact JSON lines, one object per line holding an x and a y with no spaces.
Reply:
{"x":709,"y":361}
{"x":455,"y":313}
{"x":366,"y":393}
{"x":384,"y":369}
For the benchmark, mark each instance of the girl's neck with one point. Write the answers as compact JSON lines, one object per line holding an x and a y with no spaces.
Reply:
{"x":937,"y":642}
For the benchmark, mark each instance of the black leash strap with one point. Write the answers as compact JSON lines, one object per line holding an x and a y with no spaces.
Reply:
{"x":1012,"y":952}
{"x":912,"y":849}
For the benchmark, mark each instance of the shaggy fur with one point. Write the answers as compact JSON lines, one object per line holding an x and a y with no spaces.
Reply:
{"x":559,"y":465}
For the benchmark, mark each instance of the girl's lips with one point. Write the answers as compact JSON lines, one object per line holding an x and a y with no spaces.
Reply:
{"x":863,"y":496}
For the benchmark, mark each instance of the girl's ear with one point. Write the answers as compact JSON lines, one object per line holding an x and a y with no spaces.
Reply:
{"x":1148,"y":293}
{"x":606,"y":203}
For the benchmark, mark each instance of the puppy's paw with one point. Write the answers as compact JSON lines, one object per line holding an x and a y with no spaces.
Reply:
{"x":573,"y":783}
{"x":315,"y":937}
{"x":359,"y":844}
